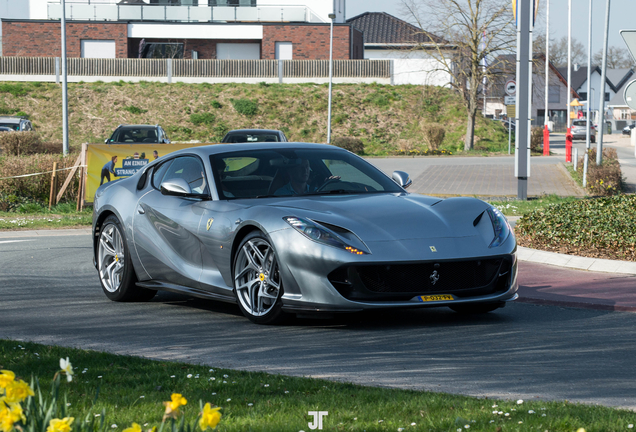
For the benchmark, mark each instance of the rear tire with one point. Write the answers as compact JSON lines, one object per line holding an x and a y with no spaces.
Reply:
{"x":477,"y":308}
{"x":115,"y":268}
{"x":258,"y":285}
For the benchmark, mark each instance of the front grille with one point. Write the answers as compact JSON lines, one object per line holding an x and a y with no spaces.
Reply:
{"x":404,"y":281}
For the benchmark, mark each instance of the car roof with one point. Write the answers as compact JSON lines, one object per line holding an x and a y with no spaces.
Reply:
{"x":213,"y":149}
{"x":9,"y":119}
{"x":141,"y":126}
{"x":253,"y":131}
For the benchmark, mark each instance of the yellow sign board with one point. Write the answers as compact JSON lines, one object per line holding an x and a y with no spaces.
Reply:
{"x":108,"y":162}
{"x":511,"y":111}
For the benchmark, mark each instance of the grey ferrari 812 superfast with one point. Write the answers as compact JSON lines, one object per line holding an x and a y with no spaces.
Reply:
{"x":297,"y":228}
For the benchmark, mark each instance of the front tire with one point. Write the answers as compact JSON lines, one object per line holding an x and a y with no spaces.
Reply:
{"x":258,"y":284}
{"x":115,"y":268}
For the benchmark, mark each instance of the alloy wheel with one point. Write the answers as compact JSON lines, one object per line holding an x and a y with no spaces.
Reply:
{"x":256,"y":277}
{"x":111,"y":258}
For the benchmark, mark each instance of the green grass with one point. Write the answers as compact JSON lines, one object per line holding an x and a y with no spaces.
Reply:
{"x":36,"y":216}
{"x":514,"y":207}
{"x":131,"y":389}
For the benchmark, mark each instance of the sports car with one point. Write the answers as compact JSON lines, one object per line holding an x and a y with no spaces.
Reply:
{"x":297,"y":228}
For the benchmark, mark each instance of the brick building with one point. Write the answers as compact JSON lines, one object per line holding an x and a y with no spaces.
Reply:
{"x":258,"y":29}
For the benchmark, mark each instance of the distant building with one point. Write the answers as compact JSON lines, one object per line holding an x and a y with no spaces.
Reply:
{"x":388,"y":37}
{"x":504,"y":69}
{"x":210,"y":29}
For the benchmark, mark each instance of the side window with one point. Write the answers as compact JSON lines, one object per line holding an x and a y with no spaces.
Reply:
{"x":190,"y":169}
{"x":159,"y":173}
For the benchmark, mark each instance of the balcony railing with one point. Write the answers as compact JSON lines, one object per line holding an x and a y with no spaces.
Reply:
{"x":115,"y":12}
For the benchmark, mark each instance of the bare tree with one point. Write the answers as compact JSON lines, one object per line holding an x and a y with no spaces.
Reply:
{"x":617,"y":58}
{"x":559,"y":52}
{"x":462,"y":34}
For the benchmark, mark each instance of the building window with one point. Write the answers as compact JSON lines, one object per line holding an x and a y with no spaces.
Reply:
{"x":607,"y":97}
{"x":176,"y":2}
{"x":554,"y":94}
{"x":249,"y":3}
{"x":583,"y":96}
{"x":625,"y":114}
{"x":162,"y":50}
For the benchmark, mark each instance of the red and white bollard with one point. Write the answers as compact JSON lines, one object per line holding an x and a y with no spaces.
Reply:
{"x":546,"y":141}
{"x":568,"y":145}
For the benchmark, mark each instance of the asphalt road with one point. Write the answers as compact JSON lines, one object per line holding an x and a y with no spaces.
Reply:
{"x":49,"y":293}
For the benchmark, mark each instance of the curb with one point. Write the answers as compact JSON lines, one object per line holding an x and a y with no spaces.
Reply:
{"x":46,"y":233}
{"x":576,"y":262}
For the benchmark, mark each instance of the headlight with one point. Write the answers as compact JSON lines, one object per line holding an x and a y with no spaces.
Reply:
{"x":320,"y":234}
{"x":500,"y":226}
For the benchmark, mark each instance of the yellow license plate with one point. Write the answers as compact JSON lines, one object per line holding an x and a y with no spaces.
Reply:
{"x":440,"y":297}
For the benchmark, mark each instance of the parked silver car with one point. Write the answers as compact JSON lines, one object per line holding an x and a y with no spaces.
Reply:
{"x":296,"y":228}
{"x":579,"y":130}
{"x":16,"y":123}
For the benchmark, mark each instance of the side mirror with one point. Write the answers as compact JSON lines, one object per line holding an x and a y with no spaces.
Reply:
{"x":106,"y":141}
{"x":176,"y":187}
{"x":402,"y":178}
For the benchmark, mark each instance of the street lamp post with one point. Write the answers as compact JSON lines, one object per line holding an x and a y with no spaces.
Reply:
{"x":331,"y":17}
{"x":64,"y":85}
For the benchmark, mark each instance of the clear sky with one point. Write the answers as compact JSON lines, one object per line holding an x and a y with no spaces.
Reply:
{"x":622,"y":16}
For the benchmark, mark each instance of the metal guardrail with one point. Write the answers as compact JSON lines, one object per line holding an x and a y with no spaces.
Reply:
{"x":196,"y":68}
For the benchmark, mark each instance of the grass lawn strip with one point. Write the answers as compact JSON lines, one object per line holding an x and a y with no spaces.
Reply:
{"x":19,"y":221}
{"x":130,"y":389}
{"x":597,"y":228}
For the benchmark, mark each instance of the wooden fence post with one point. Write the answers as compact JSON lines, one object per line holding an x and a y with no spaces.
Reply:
{"x":53,"y":185}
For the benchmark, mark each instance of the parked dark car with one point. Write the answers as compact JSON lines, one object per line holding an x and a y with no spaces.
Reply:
{"x":627,"y":130}
{"x":130,"y":134}
{"x":254,"y":135}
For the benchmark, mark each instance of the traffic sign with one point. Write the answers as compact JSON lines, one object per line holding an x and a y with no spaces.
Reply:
{"x":511,"y":87}
{"x":630,"y":95}
{"x":510,"y":100}
{"x":511,"y":111}
{"x":629,"y":36}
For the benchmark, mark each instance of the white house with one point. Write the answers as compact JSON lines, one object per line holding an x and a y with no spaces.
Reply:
{"x":388,"y":37}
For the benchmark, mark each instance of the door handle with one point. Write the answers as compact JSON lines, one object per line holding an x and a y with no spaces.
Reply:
{"x":140,"y":210}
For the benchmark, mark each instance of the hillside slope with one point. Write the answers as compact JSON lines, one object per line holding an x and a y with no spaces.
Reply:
{"x":388,"y":119}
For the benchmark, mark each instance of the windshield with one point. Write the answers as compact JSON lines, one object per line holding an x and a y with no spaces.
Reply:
{"x":579,"y":122}
{"x":134,"y":135}
{"x":14,"y":126}
{"x":296,"y":172}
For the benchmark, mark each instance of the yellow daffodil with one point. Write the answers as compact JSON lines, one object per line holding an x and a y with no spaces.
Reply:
{"x":67,"y":368}
{"x":177,"y":401}
{"x":6,"y":377}
{"x":17,"y":391}
{"x":134,"y":428}
{"x":172,"y":406}
{"x":9,"y":415}
{"x":210,"y":417}
{"x":60,"y":425}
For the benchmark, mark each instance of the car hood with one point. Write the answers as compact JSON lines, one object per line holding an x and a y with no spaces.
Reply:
{"x":388,"y":217}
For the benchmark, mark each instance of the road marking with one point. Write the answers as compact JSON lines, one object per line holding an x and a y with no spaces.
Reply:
{"x":13,"y":241}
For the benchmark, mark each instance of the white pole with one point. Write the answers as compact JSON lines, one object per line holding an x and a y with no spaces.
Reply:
{"x":547,"y":62}
{"x":589,"y":76}
{"x":601,"y":110}
{"x":569,"y":60}
{"x":332,"y":16}
{"x":64,"y":85}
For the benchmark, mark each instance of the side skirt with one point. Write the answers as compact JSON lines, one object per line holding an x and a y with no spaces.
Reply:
{"x":195,"y":292}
